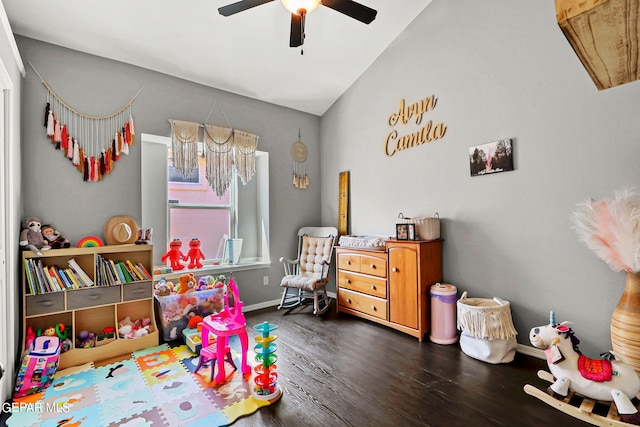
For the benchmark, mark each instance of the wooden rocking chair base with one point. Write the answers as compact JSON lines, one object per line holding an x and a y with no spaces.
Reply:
{"x":300,"y":297}
{"x":598,"y":413}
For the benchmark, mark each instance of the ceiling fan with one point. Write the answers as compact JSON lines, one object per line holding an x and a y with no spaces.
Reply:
{"x":299,"y":10}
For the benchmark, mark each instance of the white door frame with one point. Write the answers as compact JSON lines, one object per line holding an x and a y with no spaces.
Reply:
{"x":7,"y":286}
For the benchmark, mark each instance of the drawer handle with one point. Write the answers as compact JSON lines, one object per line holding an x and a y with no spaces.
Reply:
{"x":348,"y":262}
{"x":373,"y":287}
{"x":138,"y":291}
{"x":373,"y":307}
{"x":394,"y":269}
{"x":373,"y":266}
{"x":348,"y":280}
{"x":94,"y":297}
{"x":46,"y":303}
{"x":349,"y":300}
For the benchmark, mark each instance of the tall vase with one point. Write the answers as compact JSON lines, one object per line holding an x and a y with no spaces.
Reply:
{"x":625,"y":323}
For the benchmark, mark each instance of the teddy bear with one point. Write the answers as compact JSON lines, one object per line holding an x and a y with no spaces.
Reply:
{"x":31,"y":235}
{"x":54,"y":238}
{"x":186,"y":282}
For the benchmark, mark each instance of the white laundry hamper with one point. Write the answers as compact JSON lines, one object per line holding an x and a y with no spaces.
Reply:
{"x":486,"y":329}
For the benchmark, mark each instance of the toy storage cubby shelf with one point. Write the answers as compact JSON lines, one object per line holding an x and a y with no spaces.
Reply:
{"x":95,"y":307}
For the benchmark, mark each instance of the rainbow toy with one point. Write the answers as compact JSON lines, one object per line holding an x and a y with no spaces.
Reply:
{"x":90,"y":242}
{"x":266,"y":384}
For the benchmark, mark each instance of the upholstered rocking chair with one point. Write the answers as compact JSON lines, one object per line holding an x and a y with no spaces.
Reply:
{"x":306,"y":277}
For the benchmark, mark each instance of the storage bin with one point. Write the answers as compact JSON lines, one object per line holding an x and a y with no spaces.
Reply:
{"x":443,"y":313}
{"x":174,"y":311}
{"x":427,"y":228}
{"x":487,"y":331}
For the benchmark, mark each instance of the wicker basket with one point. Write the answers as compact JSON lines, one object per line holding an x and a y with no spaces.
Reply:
{"x":426,"y":228}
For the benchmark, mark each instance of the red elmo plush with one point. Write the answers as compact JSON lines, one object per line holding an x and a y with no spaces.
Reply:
{"x":174,"y":255}
{"x":194,"y":254}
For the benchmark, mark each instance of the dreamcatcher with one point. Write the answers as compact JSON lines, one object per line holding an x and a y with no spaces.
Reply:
{"x":91,"y":143}
{"x":299,"y":153}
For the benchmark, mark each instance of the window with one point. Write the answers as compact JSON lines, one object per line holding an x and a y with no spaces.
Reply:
{"x":195,"y":211}
{"x":176,"y":207}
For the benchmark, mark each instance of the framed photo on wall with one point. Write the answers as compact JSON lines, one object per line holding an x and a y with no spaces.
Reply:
{"x":491,"y":158}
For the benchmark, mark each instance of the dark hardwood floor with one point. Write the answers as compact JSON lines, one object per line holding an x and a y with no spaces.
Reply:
{"x":338,"y":370}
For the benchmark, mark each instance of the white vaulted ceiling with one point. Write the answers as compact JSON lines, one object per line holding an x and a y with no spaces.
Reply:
{"x":247,"y":53}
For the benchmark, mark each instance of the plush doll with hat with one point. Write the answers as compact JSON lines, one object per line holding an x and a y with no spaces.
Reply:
{"x":120,"y":230}
{"x":54,"y":237}
{"x":31,"y":235}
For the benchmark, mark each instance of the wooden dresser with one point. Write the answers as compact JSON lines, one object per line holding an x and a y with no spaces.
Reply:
{"x":390,"y":287}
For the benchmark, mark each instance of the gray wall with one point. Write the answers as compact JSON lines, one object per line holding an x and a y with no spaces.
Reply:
{"x":55,"y":191}
{"x":499,"y":70}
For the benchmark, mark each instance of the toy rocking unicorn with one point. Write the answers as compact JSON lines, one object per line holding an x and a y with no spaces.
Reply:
{"x":602,"y":380}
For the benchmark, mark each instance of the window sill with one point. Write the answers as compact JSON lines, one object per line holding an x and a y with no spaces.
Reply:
{"x":213,"y":270}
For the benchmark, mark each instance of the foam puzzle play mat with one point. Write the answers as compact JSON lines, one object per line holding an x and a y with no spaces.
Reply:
{"x":154,"y":387}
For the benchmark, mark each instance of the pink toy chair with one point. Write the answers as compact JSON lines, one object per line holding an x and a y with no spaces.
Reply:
{"x":228,"y":322}
{"x":209,"y":353}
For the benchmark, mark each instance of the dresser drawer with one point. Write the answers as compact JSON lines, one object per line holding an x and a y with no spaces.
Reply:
{"x":89,"y":297}
{"x":45,"y":303}
{"x":136,"y":290}
{"x":363,"y":303}
{"x":349,"y":262}
{"x":360,"y":283}
{"x":373,"y":265}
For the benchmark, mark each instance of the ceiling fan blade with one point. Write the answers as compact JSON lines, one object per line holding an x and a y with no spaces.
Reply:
{"x":297,"y":30}
{"x":350,"y":8}
{"x":240,"y":6}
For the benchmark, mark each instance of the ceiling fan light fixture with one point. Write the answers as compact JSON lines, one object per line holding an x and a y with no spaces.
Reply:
{"x":294,"y":6}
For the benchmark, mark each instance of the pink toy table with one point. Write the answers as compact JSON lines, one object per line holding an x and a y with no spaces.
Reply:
{"x":228,"y":322}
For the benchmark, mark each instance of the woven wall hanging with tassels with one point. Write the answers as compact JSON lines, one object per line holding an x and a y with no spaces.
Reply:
{"x":92,"y":143}
{"x":224,"y":149}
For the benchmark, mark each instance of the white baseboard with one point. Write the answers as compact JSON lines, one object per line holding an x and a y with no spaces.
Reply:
{"x":524,"y":349}
{"x":531,"y":351}
{"x":261,"y":305}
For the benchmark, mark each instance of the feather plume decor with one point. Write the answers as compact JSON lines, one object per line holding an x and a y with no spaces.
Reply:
{"x":611,"y":228}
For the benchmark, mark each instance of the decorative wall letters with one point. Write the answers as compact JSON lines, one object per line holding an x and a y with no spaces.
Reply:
{"x":429,"y":132}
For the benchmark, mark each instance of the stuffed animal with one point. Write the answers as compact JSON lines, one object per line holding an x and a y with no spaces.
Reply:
{"x":161,"y":288}
{"x":54,"y":238}
{"x":205,"y":282}
{"x":187,"y":282}
{"x":86,"y":339}
{"x":174,"y":255}
{"x":31,"y":235}
{"x":194,"y":254}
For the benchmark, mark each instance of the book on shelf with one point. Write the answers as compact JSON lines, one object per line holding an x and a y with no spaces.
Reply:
{"x":81,"y":274}
{"x":116,"y":276}
{"x":30,"y":279}
{"x":118,"y":270}
{"x":144,"y":271}
{"x":72,"y":277}
{"x":135,"y":274}
{"x":125,"y":272}
{"x":56,"y":284}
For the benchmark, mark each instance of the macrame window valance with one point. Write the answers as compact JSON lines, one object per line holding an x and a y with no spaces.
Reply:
{"x":224,"y":148}
{"x":92,"y":143}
